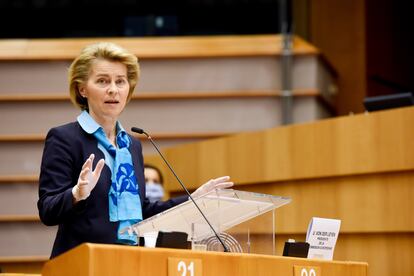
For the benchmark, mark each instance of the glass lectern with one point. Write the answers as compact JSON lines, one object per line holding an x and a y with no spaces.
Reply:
{"x":244,"y":220}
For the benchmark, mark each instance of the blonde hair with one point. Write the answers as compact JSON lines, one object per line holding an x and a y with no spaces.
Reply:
{"x":80,"y":68}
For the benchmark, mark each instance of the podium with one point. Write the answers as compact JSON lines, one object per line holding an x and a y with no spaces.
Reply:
{"x":109,"y":260}
{"x":226,"y":210}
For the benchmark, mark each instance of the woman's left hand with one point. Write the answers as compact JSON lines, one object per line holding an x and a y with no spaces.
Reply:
{"x":213,"y":184}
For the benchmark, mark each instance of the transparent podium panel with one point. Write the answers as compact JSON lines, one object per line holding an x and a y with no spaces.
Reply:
{"x":256,"y":235}
{"x":244,"y":221}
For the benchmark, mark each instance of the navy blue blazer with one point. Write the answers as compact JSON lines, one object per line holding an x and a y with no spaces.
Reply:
{"x":66,"y":149}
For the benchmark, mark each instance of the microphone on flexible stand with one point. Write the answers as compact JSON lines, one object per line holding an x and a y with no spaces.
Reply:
{"x":141,"y":131}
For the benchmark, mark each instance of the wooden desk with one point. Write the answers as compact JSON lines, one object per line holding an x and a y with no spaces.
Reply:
{"x":94,"y":259}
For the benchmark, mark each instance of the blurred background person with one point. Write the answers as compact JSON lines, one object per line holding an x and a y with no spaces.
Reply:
{"x":154,"y":183}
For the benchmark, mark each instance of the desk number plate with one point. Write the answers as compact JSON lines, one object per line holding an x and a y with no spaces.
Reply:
{"x":299,"y":270}
{"x":184,"y":267}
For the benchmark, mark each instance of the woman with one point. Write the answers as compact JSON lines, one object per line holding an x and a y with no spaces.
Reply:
{"x":154,"y":183}
{"x":92,"y":179}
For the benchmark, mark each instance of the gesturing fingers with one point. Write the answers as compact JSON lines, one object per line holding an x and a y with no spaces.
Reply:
{"x":87,"y":178}
{"x":223,"y":185}
{"x":89,"y":175}
{"x":98,"y":169}
{"x":88,"y":162}
{"x":219,"y":181}
{"x":84,"y":175}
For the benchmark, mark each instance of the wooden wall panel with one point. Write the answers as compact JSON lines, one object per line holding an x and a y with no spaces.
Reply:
{"x":337,"y":28}
{"x":359,"y":169}
{"x":24,"y":194}
{"x":359,"y":144}
{"x":365,"y":203}
{"x":26,"y":239}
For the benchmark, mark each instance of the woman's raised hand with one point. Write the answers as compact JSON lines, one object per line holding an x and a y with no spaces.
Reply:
{"x":87,"y":179}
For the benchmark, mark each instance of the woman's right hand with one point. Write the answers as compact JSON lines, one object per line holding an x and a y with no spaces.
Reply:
{"x":87,"y":179}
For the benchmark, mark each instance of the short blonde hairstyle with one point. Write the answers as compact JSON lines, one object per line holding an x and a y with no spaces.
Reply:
{"x":80,"y":68}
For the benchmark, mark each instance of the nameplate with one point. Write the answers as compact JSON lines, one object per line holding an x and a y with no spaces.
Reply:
{"x":321,"y":236}
{"x":184,"y":267}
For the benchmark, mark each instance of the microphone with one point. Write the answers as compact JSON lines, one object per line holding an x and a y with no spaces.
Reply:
{"x":141,"y":131}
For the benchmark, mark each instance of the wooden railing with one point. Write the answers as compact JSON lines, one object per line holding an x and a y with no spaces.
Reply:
{"x":24,"y":266}
{"x":171,"y":47}
{"x":61,"y":96}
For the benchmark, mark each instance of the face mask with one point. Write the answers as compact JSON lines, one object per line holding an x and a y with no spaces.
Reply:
{"x":154,"y":191}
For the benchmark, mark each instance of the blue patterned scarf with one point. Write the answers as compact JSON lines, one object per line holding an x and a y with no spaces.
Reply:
{"x":124,"y":199}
